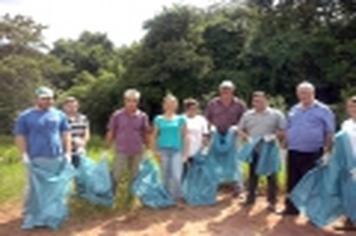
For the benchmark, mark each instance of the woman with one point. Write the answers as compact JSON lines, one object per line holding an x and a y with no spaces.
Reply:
{"x":169,"y":136}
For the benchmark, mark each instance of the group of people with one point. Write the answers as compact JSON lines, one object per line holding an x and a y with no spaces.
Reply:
{"x":306,"y":132}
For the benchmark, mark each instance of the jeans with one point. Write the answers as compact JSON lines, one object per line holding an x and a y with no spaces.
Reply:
{"x":172,"y":165}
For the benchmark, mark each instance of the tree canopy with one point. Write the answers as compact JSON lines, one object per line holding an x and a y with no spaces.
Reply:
{"x":265,"y":45}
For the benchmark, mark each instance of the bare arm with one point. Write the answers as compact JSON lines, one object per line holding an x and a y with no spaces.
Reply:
{"x":185,"y":142}
{"x":21,"y":144}
{"x":67,"y":142}
{"x":109,"y":138}
{"x":328,"y":142}
{"x":87,"y":135}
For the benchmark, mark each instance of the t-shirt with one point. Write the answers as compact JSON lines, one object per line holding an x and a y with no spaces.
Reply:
{"x":197,"y":126}
{"x":259,"y":124}
{"x":43,"y":131}
{"x":129,"y":131}
{"x":78,"y":126}
{"x":170,"y":131}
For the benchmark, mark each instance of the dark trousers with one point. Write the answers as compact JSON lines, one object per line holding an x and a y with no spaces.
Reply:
{"x":298,"y":164}
{"x":75,"y":160}
{"x":253,"y":183}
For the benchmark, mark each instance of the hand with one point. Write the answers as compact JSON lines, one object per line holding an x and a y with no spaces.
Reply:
{"x":269,"y":137}
{"x":206,"y":141}
{"x":78,"y":142}
{"x":25,"y":158}
{"x":353,"y":173}
{"x":68,"y":157}
{"x":325,"y":159}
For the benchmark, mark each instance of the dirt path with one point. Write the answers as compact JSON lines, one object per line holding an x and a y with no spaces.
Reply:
{"x":228,"y":218}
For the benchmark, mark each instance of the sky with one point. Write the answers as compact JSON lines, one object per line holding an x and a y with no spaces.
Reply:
{"x":121,"y":20}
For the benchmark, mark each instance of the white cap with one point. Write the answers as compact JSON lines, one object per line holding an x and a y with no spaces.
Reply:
{"x":44,"y":92}
{"x":227,"y":84}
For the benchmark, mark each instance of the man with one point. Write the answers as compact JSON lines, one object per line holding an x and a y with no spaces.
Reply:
{"x":267,"y":123}
{"x":224,"y":112}
{"x":43,"y":138}
{"x":79,"y":128}
{"x":43,"y":131}
{"x":310,"y":129}
{"x":128,"y":130}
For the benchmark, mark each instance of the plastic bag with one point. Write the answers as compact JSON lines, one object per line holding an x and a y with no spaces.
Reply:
{"x":93,"y":181}
{"x":224,"y":157}
{"x":148,"y":185}
{"x":49,"y":187}
{"x":200,"y":183}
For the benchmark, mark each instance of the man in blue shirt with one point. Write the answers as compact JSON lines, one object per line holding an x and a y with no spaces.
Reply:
{"x":310,"y":129}
{"x":43,"y":131}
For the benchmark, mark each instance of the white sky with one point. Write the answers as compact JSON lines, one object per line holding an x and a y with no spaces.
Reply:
{"x":121,"y":19}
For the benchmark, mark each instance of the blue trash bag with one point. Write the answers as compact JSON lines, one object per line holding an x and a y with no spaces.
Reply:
{"x":200,"y":184}
{"x":224,"y":157}
{"x":348,"y":189}
{"x":93,"y":181}
{"x":312,"y":198}
{"x":269,"y":161}
{"x":148,"y":185}
{"x":50,"y":182}
{"x":246,"y":150}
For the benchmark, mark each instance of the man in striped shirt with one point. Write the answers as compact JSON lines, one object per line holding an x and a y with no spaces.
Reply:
{"x":79,"y":128}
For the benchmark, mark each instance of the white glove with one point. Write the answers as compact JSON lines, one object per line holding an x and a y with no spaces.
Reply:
{"x":205,"y":150}
{"x":78,"y":142}
{"x":269,"y":137}
{"x":25,"y":158}
{"x":325,"y":159}
{"x":68,"y":157}
{"x":353,"y":173}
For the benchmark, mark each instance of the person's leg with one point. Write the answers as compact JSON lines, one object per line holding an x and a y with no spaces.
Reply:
{"x":133,"y":165}
{"x":165,"y":159}
{"x":253,"y":180}
{"x":119,"y":167}
{"x":272,"y":190}
{"x":176,"y":167}
{"x":292,"y":180}
{"x":75,"y":160}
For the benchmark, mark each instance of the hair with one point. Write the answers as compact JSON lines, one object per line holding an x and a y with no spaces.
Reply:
{"x":352,"y":99}
{"x":70,"y":100}
{"x":259,"y":94}
{"x":132,"y":93}
{"x":189,"y":102}
{"x":306,"y":85}
{"x":170,"y":97}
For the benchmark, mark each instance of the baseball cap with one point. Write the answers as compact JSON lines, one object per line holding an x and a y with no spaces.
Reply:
{"x":44,"y":92}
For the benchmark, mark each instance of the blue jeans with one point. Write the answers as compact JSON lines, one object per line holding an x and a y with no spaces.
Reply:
{"x":172,"y":165}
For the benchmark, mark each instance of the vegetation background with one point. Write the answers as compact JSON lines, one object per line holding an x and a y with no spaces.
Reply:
{"x":187,"y":51}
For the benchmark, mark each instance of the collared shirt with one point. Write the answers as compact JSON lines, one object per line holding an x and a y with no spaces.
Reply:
{"x":43,"y":131}
{"x":307,"y":128}
{"x":78,"y":125}
{"x":223,"y":117}
{"x":129,"y":131}
{"x":259,"y":124}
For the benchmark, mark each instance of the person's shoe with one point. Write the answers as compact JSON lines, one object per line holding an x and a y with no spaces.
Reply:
{"x":287,"y":212}
{"x":248,"y":203}
{"x":348,"y":226}
{"x":271,"y":208}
